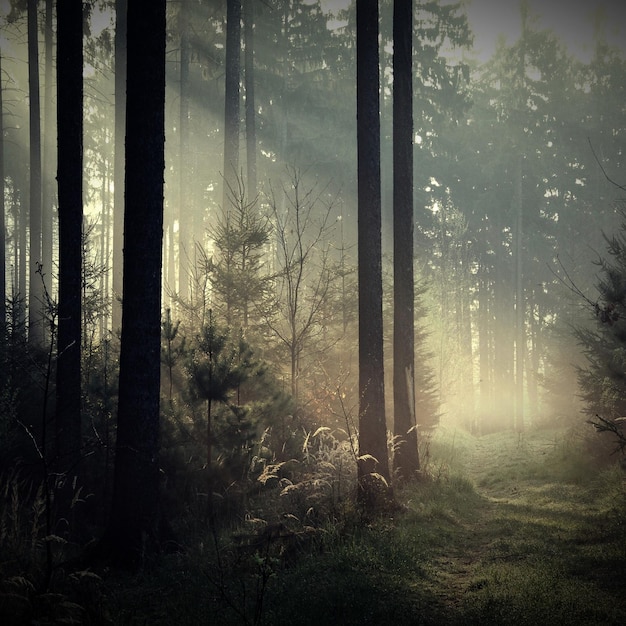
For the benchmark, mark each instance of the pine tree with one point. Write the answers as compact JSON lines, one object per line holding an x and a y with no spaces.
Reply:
{"x":373,"y":469}
{"x":603,"y":380}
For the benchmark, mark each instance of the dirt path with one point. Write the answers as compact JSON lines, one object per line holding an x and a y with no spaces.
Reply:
{"x":532,"y":544}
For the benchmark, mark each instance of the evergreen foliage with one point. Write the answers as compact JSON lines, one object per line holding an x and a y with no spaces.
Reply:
{"x":603,"y":378}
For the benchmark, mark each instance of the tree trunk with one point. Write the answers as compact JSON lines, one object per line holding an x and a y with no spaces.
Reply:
{"x":406,"y":458}
{"x":231,"y":100}
{"x":48,"y":157}
{"x":250,"y":106}
{"x":485,"y":359}
{"x":23,"y":194}
{"x":35,"y":290}
{"x":184,"y":192}
{"x":3,"y":280}
{"x":373,"y":457}
{"x":69,"y":176}
{"x":520,"y":305}
{"x":118,"y":162}
{"x":135,"y":512}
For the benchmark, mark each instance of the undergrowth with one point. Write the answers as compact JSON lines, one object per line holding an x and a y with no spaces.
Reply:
{"x":500,"y":529}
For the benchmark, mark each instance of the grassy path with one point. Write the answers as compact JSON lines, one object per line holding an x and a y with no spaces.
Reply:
{"x":544,"y":544}
{"x":509,"y":530}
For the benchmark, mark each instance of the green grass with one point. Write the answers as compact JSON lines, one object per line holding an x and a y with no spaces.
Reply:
{"x":506,"y":530}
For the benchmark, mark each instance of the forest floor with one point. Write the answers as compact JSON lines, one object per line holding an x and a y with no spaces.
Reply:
{"x":506,"y":529}
{"x":544,"y":542}
{"x":512,"y":529}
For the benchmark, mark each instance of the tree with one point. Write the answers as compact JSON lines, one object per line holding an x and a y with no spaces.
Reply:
{"x":184,"y":197}
{"x":251,"y":166}
{"x":35,"y":291}
{"x":120,"y":43}
{"x":304,"y":273}
{"x":69,"y":176}
{"x":373,"y":458}
{"x":47,"y":198}
{"x":3,"y":282}
{"x":602,"y":383}
{"x":134,"y":518}
{"x":231,"y":98}
{"x":406,"y":458}
{"x":217,"y":366}
{"x":239,"y":236}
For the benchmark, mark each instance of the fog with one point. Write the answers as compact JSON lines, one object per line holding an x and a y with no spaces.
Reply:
{"x":511,"y":192}
{"x":206,"y":413}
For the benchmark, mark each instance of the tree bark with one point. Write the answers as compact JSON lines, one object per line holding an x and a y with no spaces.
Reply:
{"x":251,"y":166}
{"x":373,"y":457}
{"x":3,"y":280}
{"x":184,"y":191}
{"x":69,"y":176}
{"x":231,"y":100}
{"x":121,"y":9}
{"x":35,"y":290}
{"x":406,"y":457}
{"x":135,"y":512}
{"x":48,"y":156}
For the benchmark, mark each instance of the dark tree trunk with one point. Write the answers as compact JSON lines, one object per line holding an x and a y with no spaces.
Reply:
{"x":231,"y":99}
{"x":406,"y":458}
{"x":250,"y":106}
{"x":3,"y":280}
{"x":372,"y":422}
{"x":118,"y":160}
{"x":69,"y":177}
{"x":48,"y":156}
{"x":135,"y":511}
{"x":35,"y":291}
{"x":184,"y":192}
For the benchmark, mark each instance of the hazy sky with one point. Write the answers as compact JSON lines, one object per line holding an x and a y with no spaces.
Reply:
{"x":571,"y":20}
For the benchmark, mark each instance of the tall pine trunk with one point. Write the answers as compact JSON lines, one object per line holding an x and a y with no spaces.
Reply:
{"x":185,"y":193}
{"x":520,"y":304}
{"x":406,"y":458}
{"x":35,"y":289}
{"x":133,"y":525}
{"x":251,"y":165}
{"x":118,"y":161}
{"x":231,"y":100}
{"x":3,"y":280}
{"x":69,"y":176}
{"x":47,"y":205}
{"x":373,"y":458}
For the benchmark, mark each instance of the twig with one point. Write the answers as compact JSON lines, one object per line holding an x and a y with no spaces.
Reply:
{"x":595,"y":156}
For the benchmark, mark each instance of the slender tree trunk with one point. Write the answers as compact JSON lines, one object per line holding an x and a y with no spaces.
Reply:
{"x":3,"y":279}
{"x":48,"y":157}
{"x":373,"y":457}
{"x":520,"y":305}
{"x":406,"y":458}
{"x":231,"y":100}
{"x":184,"y":191}
{"x":35,"y":290}
{"x":105,"y":240}
{"x":133,"y":526}
{"x":23,"y":196}
{"x":532,"y":362}
{"x":118,"y":163}
{"x":69,"y":176}
{"x":484,"y":351}
{"x":251,"y":164}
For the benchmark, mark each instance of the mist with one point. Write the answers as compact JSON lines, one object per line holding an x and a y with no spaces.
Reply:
{"x":518,"y":174}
